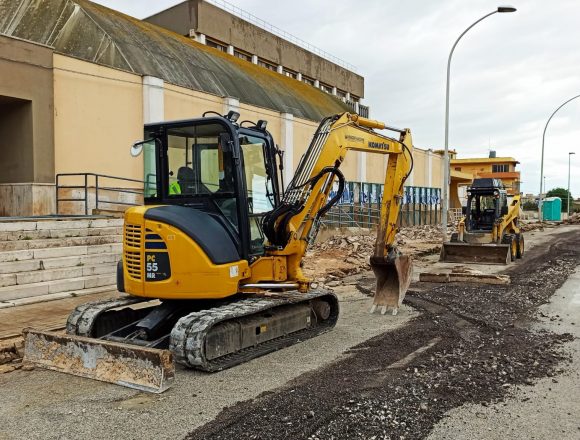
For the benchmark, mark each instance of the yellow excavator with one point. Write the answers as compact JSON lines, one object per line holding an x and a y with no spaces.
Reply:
{"x":488,"y":232}
{"x":212,"y":263}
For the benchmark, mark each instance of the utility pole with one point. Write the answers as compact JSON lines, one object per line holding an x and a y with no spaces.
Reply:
{"x":568,"y":204}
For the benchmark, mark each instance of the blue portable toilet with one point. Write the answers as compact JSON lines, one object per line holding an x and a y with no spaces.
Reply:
{"x":552,"y":209}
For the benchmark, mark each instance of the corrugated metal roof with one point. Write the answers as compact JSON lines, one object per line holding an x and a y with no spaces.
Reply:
{"x":100,"y":35}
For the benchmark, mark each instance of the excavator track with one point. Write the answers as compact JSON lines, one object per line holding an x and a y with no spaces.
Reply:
{"x":189,"y":336}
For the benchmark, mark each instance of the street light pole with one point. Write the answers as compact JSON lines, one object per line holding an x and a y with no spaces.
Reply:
{"x":445,"y":195}
{"x":568,"y":204}
{"x":542,"y":162}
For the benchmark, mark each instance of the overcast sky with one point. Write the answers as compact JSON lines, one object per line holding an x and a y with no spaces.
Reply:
{"x":509,"y":73}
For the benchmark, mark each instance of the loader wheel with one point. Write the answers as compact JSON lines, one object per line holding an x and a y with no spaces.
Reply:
{"x":510,"y":239}
{"x":520,"y":245}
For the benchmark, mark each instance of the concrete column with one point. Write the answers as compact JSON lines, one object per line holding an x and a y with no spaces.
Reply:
{"x":316,"y":83}
{"x":254,"y":59}
{"x":230,"y":49}
{"x":334,"y":91}
{"x":153,"y":100}
{"x":348,"y":96}
{"x":231,"y":104}
{"x":362,"y":167}
{"x":299,"y":76}
{"x":200,"y":38}
{"x":287,"y":144}
{"x":430,"y":168}
{"x":280,"y":69}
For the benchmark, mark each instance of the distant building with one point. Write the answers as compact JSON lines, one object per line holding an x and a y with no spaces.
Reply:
{"x":229,"y":29}
{"x":503,"y":168}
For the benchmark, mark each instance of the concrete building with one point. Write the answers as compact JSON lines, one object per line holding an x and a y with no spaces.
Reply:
{"x":503,"y":168}
{"x":79,"y":81}
{"x":236,"y":32}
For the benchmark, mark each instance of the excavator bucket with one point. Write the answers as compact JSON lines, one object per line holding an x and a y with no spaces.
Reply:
{"x":459,"y":252}
{"x":142,"y":368}
{"x":393,"y":279}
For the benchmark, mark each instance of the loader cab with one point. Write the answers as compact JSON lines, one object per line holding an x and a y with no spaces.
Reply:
{"x":219,"y":169}
{"x":486,"y":204}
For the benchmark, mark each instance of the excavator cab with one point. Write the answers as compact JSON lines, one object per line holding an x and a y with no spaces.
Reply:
{"x":227,"y":172}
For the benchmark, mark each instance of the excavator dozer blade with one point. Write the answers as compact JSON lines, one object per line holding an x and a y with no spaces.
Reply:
{"x":452,"y":252}
{"x":393,"y":279}
{"x":142,"y":368}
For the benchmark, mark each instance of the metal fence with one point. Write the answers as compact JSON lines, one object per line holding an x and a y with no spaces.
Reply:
{"x":361,"y":203}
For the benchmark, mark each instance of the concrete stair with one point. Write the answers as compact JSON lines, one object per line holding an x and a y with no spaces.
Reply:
{"x":46,"y":259}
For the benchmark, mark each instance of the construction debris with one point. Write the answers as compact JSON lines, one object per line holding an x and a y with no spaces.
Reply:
{"x":463,"y":275}
{"x":348,"y":252}
{"x":574,"y":219}
{"x":11,"y":356}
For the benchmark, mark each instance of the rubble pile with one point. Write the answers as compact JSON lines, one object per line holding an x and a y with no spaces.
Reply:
{"x":11,"y":356}
{"x":531,"y":226}
{"x":346,"y":254}
{"x":574,"y":219}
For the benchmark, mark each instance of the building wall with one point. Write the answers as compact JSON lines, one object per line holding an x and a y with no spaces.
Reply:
{"x":98,"y":115}
{"x":207,"y":19}
{"x":26,"y":104}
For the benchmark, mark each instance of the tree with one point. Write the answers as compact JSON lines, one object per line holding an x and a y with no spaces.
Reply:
{"x":530,"y":206}
{"x":563,"y":194}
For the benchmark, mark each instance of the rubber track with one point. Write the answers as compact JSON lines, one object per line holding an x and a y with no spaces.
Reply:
{"x":80,"y":322}
{"x":188,"y":335}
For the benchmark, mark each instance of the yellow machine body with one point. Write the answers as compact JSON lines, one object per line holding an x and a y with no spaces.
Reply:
{"x":192,"y":274}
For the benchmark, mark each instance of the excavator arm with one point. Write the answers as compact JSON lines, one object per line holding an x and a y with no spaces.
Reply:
{"x":294,"y":224}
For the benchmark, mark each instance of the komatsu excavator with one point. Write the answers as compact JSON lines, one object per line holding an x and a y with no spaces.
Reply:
{"x":212,"y":263}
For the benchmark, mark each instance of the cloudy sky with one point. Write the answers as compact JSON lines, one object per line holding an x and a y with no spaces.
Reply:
{"x":509,"y":73}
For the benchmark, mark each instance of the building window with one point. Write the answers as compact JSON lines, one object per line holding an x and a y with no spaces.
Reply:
{"x":308,"y":80}
{"x":340,"y":93}
{"x":325,"y":88}
{"x":500,"y":168}
{"x":216,"y":45}
{"x":354,"y":98}
{"x":266,"y":64}
{"x":290,"y":73}
{"x":242,"y":55}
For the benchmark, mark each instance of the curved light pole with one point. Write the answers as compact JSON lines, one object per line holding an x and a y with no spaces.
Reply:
{"x":568,"y":204}
{"x":542,"y":163}
{"x":445,"y":196}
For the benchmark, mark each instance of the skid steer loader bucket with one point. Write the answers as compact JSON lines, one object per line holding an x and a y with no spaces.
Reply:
{"x":393,"y":279}
{"x":475,"y":253}
{"x":142,"y":368}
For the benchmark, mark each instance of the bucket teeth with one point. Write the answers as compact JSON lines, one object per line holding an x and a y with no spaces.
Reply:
{"x":393,"y":275}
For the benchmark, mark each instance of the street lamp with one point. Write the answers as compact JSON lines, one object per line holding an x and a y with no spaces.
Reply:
{"x":568,"y":204}
{"x":542,"y":162}
{"x":445,"y":200}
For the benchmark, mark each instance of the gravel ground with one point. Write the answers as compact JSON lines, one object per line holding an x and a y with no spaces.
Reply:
{"x":548,"y":409}
{"x":471,"y":345}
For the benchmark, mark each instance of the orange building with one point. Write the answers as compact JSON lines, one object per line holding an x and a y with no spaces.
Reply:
{"x":503,"y":168}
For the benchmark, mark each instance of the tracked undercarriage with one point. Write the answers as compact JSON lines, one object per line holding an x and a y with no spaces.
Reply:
{"x":208,"y":336}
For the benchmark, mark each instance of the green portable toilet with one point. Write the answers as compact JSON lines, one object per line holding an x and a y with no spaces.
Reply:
{"x":552,"y":209}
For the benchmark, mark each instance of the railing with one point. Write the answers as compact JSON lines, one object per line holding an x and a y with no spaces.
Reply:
{"x":235,"y":10}
{"x":363,"y":110}
{"x":94,"y":181}
{"x":361,"y":202}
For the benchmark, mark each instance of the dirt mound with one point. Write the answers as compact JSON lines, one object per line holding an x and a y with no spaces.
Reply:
{"x":574,"y":219}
